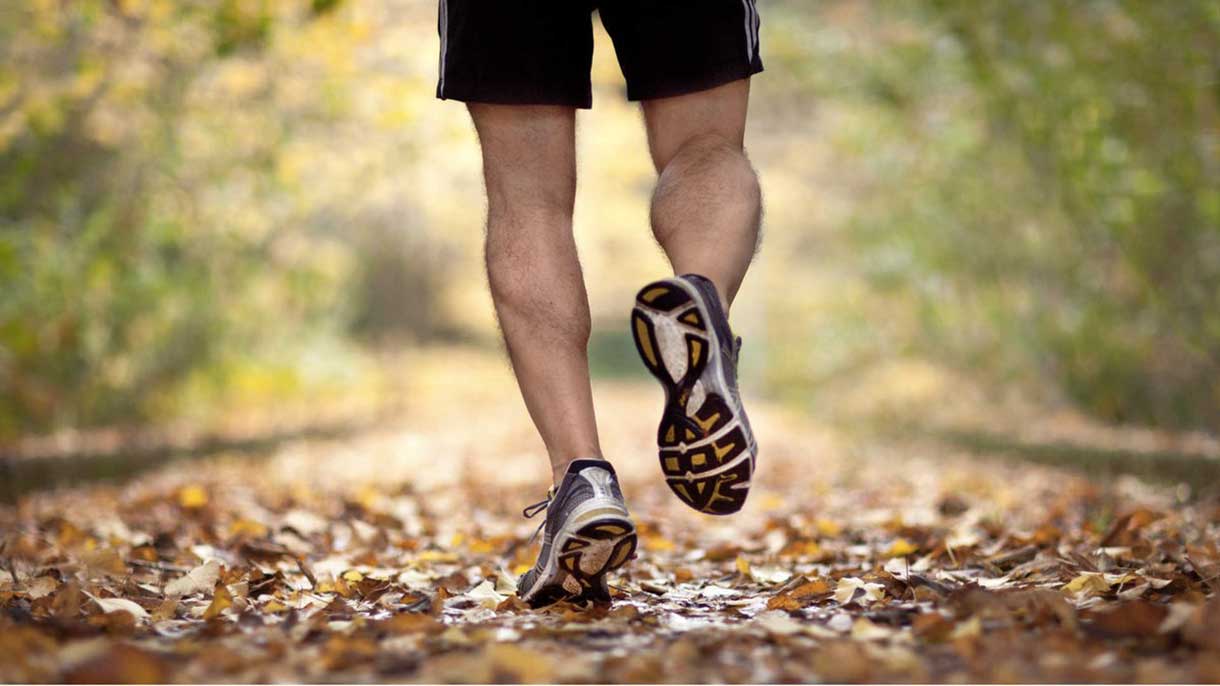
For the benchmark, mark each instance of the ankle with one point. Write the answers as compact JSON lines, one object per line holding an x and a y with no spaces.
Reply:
{"x":560,"y":467}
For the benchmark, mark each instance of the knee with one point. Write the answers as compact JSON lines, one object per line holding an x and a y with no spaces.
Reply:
{"x":523,"y":197}
{"x":713,"y":160}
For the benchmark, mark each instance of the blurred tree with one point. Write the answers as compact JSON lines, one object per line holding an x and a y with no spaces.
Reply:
{"x":1115,"y":109}
{"x":1039,"y":183}
{"x":115,"y":286}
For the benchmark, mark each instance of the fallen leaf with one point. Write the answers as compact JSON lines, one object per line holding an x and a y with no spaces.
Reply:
{"x":743,"y":566}
{"x":769,"y":575}
{"x":221,"y":601}
{"x":485,"y":595}
{"x":851,"y":589}
{"x":192,"y":497}
{"x":970,"y":629}
{"x":411,"y":623}
{"x":811,"y":588}
{"x":783,"y":601}
{"x":776,"y":622}
{"x":41,"y":587}
{"x":515,"y":664}
{"x":902,"y":548}
{"x":198,"y":580}
{"x":864,"y":630}
{"x":103,"y":562}
{"x":1134,"y":618}
{"x":122,"y":664}
{"x":1087,"y":583}
{"x":110,"y":605}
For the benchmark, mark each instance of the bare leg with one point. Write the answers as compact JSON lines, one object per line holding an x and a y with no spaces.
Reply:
{"x":707,"y":205}
{"x":529,"y":164}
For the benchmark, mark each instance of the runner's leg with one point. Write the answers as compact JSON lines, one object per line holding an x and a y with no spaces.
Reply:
{"x":529,"y":165}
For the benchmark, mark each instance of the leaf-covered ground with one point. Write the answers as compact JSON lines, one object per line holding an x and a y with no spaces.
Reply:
{"x":390,"y":556}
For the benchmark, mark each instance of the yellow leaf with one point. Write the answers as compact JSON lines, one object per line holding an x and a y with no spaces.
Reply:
{"x":827,"y":527}
{"x":353,"y":575}
{"x":437,"y":556}
{"x":521,"y":664}
{"x":368,"y":497}
{"x":248,"y":528}
{"x":1088,"y":582}
{"x":165,"y":610}
{"x":657,"y":543}
{"x":743,"y":565}
{"x":192,"y":497}
{"x":481,"y":546}
{"x":802,"y":549}
{"x":902,"y":547}
{"x":221,"y":601}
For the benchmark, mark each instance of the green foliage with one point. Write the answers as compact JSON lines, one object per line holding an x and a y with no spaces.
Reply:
{"x":1042,"y":186}
{"x":242,"y":24}
{"x":116,"y":286}
{"x":1113,"y":108}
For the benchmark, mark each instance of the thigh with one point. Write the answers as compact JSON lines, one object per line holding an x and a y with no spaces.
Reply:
{"x":522,"y":52}
{"x":675,"y":47}
{"x":719,"y":112}
{"x":529,"y":154}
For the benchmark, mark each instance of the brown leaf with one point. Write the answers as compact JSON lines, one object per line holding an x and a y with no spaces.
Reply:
{"x":221,"y":601}
{"x":1137,"y":618}
{"x":166,"y":610}
{"x":1122,"y":532}
{"x":932,"y":626}
{"x":812,"y":588}
{"x":783,"y":601}
{"x":1203,"y":627}
{"x":515,"y":664}
{"x":103,"y":562}
{"x":67,"y":603}
{"x":122,"y":664}
{"x":411,"y":623}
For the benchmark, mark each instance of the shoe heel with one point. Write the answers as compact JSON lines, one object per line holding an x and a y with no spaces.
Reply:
{"x":597,"y":548}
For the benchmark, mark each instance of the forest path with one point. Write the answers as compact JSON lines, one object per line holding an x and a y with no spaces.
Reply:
{"x":390,"y":555}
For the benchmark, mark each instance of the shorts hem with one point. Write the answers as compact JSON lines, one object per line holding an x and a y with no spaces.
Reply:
{"x":581,"y":102}
{"x":706,"y":81}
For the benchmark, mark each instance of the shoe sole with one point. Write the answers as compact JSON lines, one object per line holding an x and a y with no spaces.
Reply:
{"x":707,"y":456}
{"x":581,"y":558}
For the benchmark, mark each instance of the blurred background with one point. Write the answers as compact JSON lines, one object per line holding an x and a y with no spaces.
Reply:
{"x":994,"y":221}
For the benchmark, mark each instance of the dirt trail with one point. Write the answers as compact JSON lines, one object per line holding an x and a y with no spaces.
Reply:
{"x":390,"y":555}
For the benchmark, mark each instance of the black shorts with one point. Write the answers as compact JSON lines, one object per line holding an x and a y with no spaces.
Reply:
{"x":538,"y":52}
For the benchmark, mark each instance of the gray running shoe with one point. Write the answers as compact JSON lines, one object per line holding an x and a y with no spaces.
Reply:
{"x":587,"y":534}
{"x":707,"y":449}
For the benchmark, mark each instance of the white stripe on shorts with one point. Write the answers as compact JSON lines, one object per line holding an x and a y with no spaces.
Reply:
{"x":754,"y":25}
{"x":745,"y":4}
{"x":444,"y":21}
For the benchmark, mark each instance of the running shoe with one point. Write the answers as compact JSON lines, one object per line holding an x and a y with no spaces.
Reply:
{"x":706,"y":447}
{"x":587,"y":534}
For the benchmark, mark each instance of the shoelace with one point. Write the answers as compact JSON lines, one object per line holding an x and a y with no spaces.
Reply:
{"x":531,"y":511}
